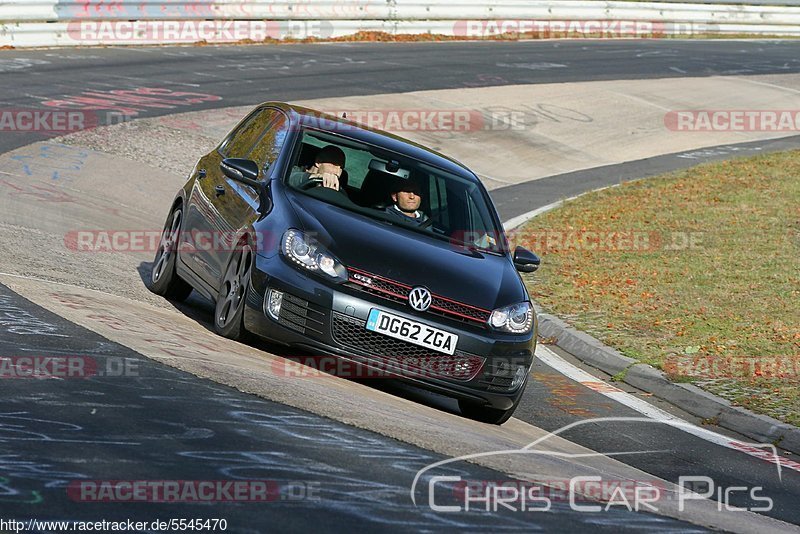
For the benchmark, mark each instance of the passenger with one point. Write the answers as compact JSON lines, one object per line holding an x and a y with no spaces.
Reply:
{"x":326,"y":170}
{"x":407,"y":197}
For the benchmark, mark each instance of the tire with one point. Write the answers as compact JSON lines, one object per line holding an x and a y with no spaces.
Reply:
{"x":164,"y":280}
{"x":229,"y":308}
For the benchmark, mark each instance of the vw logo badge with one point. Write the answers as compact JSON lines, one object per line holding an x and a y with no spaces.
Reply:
{"x":420,"y":299}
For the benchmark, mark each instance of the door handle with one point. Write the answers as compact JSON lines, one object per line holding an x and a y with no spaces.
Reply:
{"x":219,"y":190}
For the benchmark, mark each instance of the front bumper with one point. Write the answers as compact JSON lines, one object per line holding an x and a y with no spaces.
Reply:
{"x":330,"y":320}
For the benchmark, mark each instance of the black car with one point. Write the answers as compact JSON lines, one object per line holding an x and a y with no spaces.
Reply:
{"x":439,"y":304}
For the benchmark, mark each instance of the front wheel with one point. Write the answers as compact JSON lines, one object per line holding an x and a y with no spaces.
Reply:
{"x":229,"y":310}
{"x":164,"y":280}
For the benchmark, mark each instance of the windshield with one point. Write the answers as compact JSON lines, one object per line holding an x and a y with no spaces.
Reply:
{"x":396,"y":189}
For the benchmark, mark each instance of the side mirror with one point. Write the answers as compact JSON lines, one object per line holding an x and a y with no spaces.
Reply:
{"x":525,"y":261}
{"x":241,"y":170}
{"x":246,"y":171}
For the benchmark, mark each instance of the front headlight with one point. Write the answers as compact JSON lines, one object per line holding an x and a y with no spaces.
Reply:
{"x":304,"y":251}
{"x":516,"y":319}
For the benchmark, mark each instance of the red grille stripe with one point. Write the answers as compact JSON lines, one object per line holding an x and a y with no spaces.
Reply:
{"x":484,"y":314}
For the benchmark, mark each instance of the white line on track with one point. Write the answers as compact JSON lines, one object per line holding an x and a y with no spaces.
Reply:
{"x":519,"y":220}
{"x":765,"y":452}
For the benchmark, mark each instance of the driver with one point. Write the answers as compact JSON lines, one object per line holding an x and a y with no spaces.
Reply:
{"x":326,"y":170}
{"x":407,"y":196}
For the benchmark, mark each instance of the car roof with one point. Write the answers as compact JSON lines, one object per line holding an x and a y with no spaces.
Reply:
{"x":325,"y":122}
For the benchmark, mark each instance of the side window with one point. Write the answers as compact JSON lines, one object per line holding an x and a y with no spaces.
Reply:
{"x":457,"y":209}
{"x":438,"y":201}
{"x":268,"y":147}
{"x":243,"y":139}
{"x":357,"y":165}
{"x":476,"y":218}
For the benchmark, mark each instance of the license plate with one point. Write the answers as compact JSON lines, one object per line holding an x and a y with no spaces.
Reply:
{"x":411,"y":331}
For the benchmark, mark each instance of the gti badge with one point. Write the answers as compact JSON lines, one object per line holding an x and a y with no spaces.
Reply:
{"x":420,"y":299}
{"x":361,"y":278}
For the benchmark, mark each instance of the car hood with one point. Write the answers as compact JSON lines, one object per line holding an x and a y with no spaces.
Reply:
{"x":484,"y":280}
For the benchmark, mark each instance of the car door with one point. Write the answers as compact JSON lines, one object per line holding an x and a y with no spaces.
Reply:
{"x":219,"y":206}
{"x":240,"y":210}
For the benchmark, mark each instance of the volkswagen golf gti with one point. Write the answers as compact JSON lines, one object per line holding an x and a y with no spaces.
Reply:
{"x":318,"y":233}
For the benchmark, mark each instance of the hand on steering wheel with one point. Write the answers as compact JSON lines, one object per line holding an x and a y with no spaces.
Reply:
{"x":330,"y":180}
{"x":325,"y":179}
{"x":311,"y":183}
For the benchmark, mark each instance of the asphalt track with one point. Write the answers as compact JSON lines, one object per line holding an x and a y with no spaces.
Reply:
{"x":252,"y":74}
{"x":56,"y":433}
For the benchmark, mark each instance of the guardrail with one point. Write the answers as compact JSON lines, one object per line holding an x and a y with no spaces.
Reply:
{"x":36,"y":23}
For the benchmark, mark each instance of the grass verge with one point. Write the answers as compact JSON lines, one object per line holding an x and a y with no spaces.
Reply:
{"x":696,"y":272}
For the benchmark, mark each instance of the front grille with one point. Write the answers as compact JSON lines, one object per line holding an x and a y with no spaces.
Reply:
{"x":300,"y":315}
{"x":410,"y":359}
{"x":398,"y":292}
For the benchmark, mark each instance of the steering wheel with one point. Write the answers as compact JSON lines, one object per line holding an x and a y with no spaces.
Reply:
{"x":309,"y":184}
{"x":426,"y":224}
